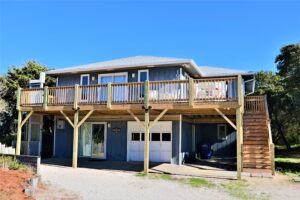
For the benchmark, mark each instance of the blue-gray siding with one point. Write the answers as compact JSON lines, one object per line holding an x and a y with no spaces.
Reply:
{"x":64,"y":142}
{"x":155,"y":74}
{"x":116,"y":144}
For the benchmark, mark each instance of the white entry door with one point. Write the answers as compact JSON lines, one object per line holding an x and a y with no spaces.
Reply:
{"x":160,"y":142}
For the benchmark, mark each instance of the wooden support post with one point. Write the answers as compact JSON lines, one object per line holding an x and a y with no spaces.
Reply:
{"x":18,"y":98}
{"x":67,"y":118}
{"x":19,"y":133}
{"x":136,"y":118}
{"x":45,"y":98}
{"x":239,"y":126}
{"x":239,"y":131}
{"x":191,"y":92}
{"x":26,"y":118}
{"x":84,"y":118}
{"x":109,"y":95}
{"x":75,"y":139}
{"x":146,"y":142}
{"x":158,"y":118}
{"x":146,"y":94}
{"x":76,"y":96}
{"x":226,"y":118}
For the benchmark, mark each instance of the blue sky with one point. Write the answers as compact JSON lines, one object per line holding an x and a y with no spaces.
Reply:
{"x":233,"y":34}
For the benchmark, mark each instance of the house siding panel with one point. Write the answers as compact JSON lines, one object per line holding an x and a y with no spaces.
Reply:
{"x":64,"y":142}
{"x":155,"y":74}
{"x":186,"y":144}
{"x":116,"y":145}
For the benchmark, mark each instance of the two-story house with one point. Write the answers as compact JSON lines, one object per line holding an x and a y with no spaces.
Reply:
{"x":150,"y":109}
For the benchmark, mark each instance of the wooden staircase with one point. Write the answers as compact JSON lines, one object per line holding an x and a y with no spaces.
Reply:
{"x":257,"y":149}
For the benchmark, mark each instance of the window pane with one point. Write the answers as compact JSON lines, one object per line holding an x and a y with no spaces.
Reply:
{"x":166,"y":137}
{"x":155,"y":137}
{"x":84,"y":80}
{"x":135,"y":136}
{"x":143,"y":76}
{"x":106,"y":79}
{"x":143,"y":136}
{"x":120,"y":79}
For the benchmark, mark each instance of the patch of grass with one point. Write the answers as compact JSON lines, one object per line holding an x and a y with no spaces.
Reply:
{"x":141,"y":174}
{"x":288,"y":162}
{"x":238,"y":189}
{"x":198,"y":182}
{"x":166,"y":177}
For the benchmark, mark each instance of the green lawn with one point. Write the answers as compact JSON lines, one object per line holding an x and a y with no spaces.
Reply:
{"x":288,"y":162}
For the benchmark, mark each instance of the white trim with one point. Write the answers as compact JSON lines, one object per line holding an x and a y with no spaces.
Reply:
{"x":113,"y":74}
{"x":105,"y":137}
{"x":179,"y":140}
{"x":218,"y":133}
{"x":83,"y":75}
{"x":143,"y":70}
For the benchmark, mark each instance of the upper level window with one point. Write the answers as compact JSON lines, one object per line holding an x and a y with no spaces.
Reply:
{"x":143,"y":75}
{"x":85,"y":79}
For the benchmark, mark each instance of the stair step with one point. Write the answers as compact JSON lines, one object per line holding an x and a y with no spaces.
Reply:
{"x":256,"y":142}
{"x":259,"y":135}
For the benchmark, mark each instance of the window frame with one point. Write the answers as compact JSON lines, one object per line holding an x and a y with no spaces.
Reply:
{"x":218,"y":131}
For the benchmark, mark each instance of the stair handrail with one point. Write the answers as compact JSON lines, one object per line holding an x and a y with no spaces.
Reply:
{"x":271,"y":144}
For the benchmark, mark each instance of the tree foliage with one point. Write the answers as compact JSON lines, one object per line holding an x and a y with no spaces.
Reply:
{"x":16,"y":77}
{"x":283,"y":92}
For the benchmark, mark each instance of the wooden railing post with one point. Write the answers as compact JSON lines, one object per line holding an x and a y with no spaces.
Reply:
{"x":76,"y":96}
{"x":191,"y":91}
{"x":45,"y":98}
{"x":146,"y":94}
{"x":109,"y":95}
{"x":18,"y":98}
{"x":272,"y":158}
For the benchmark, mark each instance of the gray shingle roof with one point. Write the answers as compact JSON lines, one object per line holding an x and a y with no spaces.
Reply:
{"x":218,"y":71}
{"x":150,"y":61}
{"x":129,"y":62}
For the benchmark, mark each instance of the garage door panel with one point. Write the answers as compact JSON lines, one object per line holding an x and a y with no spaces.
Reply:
{"x":159,"y":150}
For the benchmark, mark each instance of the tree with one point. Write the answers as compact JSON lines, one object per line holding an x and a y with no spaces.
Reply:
{"x":16,"y":77}
{"x":288,"y":65}
{"x":283,"y":92}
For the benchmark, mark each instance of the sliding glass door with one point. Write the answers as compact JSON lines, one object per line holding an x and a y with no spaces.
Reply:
{"x":119,"y":92}
{"x":92,"y":140}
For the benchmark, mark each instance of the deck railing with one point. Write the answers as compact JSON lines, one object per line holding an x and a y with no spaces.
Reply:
{"x":255,"y":104}
{"x":175,"y":91}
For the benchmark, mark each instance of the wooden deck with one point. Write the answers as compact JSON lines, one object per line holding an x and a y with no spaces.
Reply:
{"x":178,"y":96}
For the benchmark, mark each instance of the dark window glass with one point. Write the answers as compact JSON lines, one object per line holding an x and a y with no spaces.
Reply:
{"x":142,"y":136}
{"x":166,"y":137}
{"x":155,"y":137}
{"x":135,"y":136}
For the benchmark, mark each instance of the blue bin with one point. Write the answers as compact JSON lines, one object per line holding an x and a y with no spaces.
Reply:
{"x":206,"y":152}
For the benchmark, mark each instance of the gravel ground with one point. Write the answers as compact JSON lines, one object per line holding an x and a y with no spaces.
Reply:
{"x":113,"y":185}
{"x":82,"y":183}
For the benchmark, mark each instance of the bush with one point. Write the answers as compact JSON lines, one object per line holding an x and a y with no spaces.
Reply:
{"x":11,"y":163}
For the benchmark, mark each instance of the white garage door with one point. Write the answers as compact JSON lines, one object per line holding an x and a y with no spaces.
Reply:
{"x":160,"y":142}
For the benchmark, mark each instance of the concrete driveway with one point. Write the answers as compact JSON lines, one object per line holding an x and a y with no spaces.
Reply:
{"x":82,"y":183}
